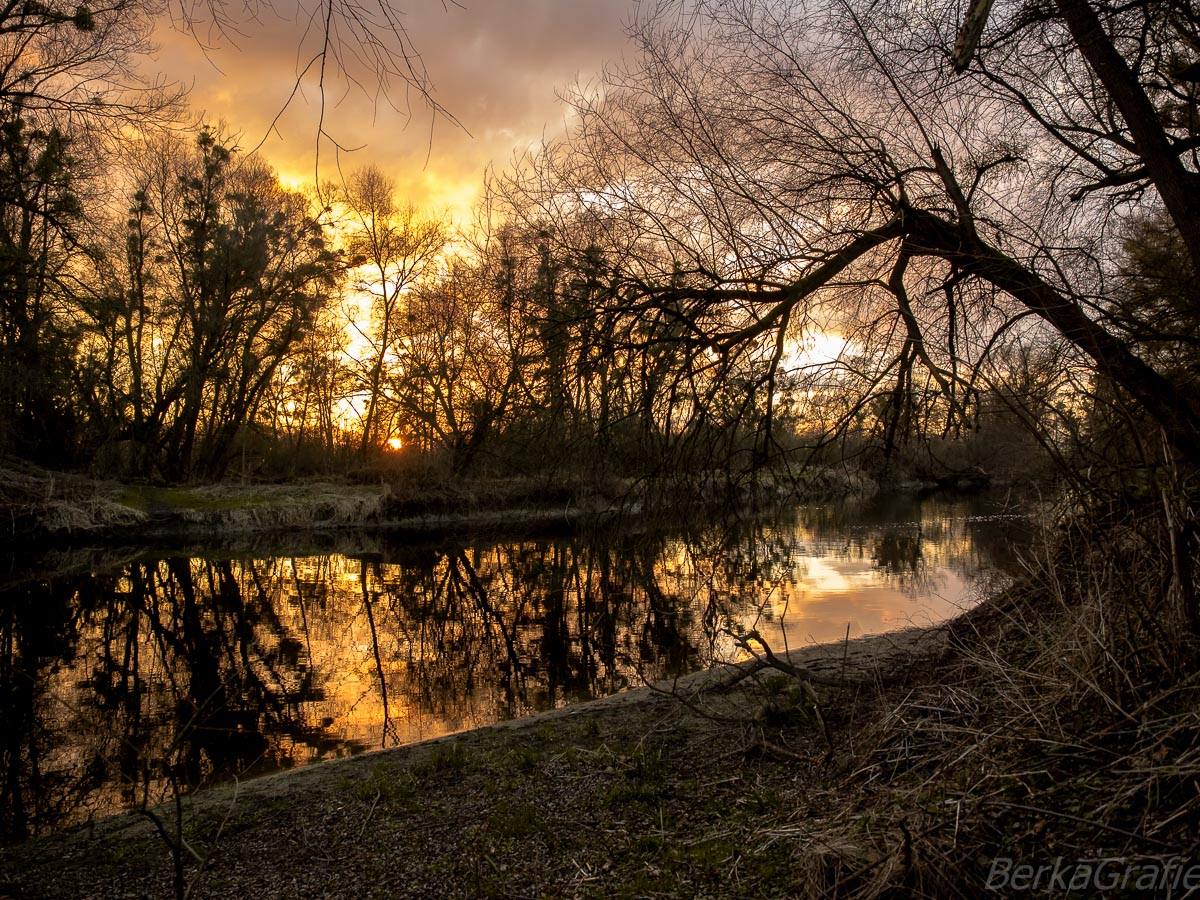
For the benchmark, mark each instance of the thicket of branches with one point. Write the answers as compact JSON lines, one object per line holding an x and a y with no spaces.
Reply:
{"x":171,"y":311}
{"x":1008,"y":207}
{"x":999,"y":247}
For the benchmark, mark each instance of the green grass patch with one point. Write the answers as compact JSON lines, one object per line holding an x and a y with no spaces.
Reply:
{"x":515,"y":819}
{"x":522,"y":758}
{"x":443,"y":759}
{"x":394,"y":786}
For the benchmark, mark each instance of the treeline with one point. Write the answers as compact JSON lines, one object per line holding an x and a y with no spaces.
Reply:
{"x":200,"y":316}
{"x":657,"y":290}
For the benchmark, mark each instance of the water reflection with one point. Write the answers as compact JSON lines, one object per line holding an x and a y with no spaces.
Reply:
{"x":206,"y":666}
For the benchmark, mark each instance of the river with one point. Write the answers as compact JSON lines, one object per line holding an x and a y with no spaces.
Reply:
{"x":203,"y":664}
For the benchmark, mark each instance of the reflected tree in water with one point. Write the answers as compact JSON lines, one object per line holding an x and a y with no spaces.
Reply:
{"x":113,"y":683}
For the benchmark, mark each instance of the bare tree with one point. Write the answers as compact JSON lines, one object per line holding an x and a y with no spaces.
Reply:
{"x":766,"y":171}
{"x":394,"y":247}
{"x":456,"y":381}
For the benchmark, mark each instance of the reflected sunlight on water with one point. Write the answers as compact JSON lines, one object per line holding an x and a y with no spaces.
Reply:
{"x":246,"y":665}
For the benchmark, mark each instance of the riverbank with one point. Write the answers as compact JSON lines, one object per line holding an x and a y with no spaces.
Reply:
{"x":895,"y":765}
{"x":665,"y":788}
{"x":37,"y":504}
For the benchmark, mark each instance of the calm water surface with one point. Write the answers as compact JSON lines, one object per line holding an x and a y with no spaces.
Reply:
{"x":226,"y":664}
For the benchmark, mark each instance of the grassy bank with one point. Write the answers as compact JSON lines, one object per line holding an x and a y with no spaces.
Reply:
{"x":634,"y":794}
{"x":35,"y":503}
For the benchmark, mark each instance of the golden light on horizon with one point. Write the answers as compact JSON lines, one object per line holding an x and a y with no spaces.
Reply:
{"x":818,"y":349}
{"x":394,"y":443}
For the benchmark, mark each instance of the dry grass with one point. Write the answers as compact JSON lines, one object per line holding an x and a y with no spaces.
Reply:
{"x":40,"y":502}
{"x":234,"y":508}
{"x":1065,"y":723}
{"x":34,"y":500}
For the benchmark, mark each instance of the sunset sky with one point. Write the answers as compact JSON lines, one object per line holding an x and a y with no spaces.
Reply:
{"x":495,"y":66}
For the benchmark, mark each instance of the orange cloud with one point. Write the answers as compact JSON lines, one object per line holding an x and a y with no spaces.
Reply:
{"x":494,"y":66}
